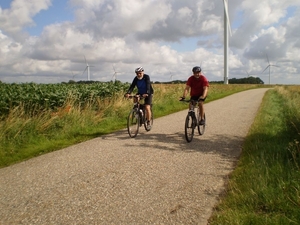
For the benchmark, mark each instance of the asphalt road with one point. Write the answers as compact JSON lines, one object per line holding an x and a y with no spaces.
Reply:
{"x":155,"y":178}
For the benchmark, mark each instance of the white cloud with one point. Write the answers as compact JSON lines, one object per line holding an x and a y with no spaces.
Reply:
{"x":21,"y":15}
{"x":135,"y":33}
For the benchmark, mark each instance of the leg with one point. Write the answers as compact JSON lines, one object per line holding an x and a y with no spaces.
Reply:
{"x":148,"y":102}
{"x":201,"y":110}
{"x":148,"y":112}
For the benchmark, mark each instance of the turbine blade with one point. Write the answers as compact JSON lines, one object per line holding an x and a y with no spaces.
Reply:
{"x":85,"y":69}
{"x":265,"y":68}
{"x":268,"y":59}
{"x":227,"y":16}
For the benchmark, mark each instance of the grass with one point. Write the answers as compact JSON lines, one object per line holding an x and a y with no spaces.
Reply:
{"x":26,"y":135}
{"x":265,"y":186}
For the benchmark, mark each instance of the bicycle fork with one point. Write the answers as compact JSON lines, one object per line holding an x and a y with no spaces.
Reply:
{"x":194,"y":118}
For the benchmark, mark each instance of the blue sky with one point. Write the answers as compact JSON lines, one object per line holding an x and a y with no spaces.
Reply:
{"x":57,"y":13}
{"x":46,"y":41}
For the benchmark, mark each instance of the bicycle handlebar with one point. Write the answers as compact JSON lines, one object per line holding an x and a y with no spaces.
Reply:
{"x":135,"y":96}
{"x":191,"y":100}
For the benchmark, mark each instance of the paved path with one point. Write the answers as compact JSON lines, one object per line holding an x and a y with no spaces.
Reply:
{"x":156,"y":178}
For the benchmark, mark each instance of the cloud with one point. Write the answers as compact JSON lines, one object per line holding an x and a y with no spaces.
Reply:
{"x":20,"y":15}
{"x":133,"y":33}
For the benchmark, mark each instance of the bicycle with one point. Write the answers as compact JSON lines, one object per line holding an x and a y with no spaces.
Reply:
{"x":137,"y":117}
{"x":192,"y":120}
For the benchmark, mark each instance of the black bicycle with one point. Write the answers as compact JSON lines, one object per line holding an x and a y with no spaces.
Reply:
{"x":138,"y":117}
{"x":192,"y":121}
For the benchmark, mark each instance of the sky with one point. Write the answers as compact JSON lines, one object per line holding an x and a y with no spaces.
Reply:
{"x":53,"y":41}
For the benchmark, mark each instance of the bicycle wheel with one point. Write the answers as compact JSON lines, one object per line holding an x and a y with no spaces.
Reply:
{"x":189,"y":127}
{"x":201,"y":128}
{"x":133,"y":123}
{"x":145,"y":120}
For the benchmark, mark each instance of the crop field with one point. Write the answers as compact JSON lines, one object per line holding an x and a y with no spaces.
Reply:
{"x":52,"y":96}
{"x":35,"y":98}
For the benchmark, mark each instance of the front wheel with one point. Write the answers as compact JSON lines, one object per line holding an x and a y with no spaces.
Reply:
{"x":133,"y":123}
{"x":190,"y":123}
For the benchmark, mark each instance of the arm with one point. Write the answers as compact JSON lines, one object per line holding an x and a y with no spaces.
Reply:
{"x":133,"y":84}
{"x":186,"y":91}
{"x":205,"y":90}
{"x":148,"y":83}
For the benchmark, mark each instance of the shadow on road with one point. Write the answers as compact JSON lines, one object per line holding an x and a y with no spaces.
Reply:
{"x":209,"y":144}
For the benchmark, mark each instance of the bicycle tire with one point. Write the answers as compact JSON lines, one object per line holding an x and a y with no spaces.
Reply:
{"x":133,"y":123}
{"x":145,"y":120}
{"x":189,"y":127}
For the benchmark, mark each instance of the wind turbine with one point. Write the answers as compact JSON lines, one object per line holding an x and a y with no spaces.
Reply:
{"x":226,"y":41}
{"x":248,"y":74}
{"x":73,"y":75}
{"x":171,"y":77}
{"x":87,"y":68}
{"x":115,"y":74}
{"x":269,"y":66}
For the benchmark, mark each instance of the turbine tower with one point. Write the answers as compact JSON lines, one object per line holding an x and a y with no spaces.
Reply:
{"x":269,"y":66}
{"x":171,"y":77}
{"x":87,"y":68}
{"x":115,"y":74}
{"x":226,"y":41}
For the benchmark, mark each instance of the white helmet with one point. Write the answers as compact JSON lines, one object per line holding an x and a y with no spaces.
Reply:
{"x":139,"y":69}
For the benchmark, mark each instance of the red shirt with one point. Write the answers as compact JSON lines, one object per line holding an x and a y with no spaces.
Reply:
{"x":197,"y":85}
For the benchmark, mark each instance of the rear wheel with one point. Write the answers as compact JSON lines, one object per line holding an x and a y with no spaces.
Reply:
{"x":151,"y":120}
{"x":133,"y":123}
{"x":190,"y":123}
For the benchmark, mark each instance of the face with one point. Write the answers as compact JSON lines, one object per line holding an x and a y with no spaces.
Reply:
{"x":140,"y":75}
{"x":197,"y":74}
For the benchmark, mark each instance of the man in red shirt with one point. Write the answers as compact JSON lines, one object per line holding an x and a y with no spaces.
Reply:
{"x":198,"y":85}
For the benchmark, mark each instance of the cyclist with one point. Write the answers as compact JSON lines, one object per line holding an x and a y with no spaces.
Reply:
{"x":198,"y":85}
{"x":143,"y":84}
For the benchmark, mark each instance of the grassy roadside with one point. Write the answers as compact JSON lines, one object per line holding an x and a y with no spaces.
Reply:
{"x":25,"y":136}
{"x":265,"y":186}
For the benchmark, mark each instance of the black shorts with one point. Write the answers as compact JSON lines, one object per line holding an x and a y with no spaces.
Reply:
{"x":195,"y":98}
{"x":148,"y":99}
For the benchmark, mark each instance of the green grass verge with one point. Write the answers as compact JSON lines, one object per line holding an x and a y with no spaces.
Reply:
{"x":265,"y":186}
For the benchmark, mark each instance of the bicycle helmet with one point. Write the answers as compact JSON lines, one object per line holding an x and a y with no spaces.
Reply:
{"x":196,"y":69}
{"x":139,"y":69}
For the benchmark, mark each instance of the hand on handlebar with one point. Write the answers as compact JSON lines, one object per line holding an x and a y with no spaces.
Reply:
{"x":201,"y":98}
{"x":127,"y":95}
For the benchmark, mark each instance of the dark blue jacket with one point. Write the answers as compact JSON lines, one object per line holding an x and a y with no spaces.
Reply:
{"x":144,"y":85}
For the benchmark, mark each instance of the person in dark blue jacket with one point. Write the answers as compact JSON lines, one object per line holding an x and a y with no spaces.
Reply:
{"x":143,"y":84}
